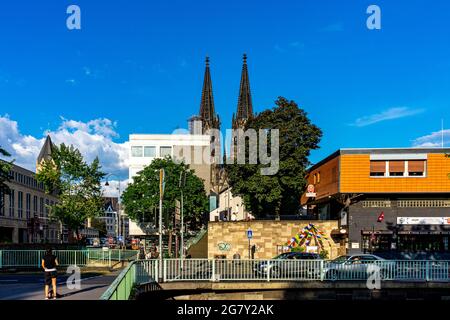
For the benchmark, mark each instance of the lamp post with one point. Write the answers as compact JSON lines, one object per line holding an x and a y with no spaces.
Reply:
{"x":119,"y":218}
{"x":182,"y":184}
{"x":161,"y":195}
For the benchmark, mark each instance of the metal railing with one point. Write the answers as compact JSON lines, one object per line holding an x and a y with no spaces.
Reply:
{"x":137,"y":273}
{"x":33,"y":258}
{"x":142,"y":272}
{"x":302,"y":270}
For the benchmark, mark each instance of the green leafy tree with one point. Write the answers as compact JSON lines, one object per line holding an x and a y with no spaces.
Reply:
{"x":76,"y":183}
{"x":280,"y":193}
{"x":141,"y":198}
{"x":5,"y":167}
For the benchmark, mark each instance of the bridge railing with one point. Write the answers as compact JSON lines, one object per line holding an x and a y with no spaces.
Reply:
{"x":135,"y":274}
{"x":303,"y":270}
{"x":147,"y":271}
{"x":33,"y":258}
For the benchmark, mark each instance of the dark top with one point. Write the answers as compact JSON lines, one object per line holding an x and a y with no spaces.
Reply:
{"x":49,"y":261}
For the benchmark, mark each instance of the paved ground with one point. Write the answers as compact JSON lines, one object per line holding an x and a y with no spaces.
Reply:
{"x":25,"y":286}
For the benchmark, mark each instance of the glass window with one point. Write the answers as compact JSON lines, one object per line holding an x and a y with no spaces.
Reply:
{"x":136,"y":151}
{"x":47,"y":209}
{"x":165,"y":151}
{"x":35,"y":205}
{"x":20,"y":204}
{"x":41,"y":207}
{"x":377,"y":168}
{"x":12,"y":199}
{"x":416,"y":168}
{"x":150,"y":152}
{"x":28,"y":205}
{"x":2,"y":202}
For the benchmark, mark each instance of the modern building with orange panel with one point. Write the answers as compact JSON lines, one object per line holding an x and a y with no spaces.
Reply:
{"x":386,"y":200}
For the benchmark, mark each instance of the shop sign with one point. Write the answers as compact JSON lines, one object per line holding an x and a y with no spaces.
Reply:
{"x":312,"y":249}
{"x":355,"y":245}
{"x":310,"y":192}
{"x":424,"y":220}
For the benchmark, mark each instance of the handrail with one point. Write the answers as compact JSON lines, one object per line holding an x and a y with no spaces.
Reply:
{"x":112,"y":289}
{"x":196,"y":239}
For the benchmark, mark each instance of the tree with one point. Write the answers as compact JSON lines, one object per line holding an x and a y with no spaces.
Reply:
{"x":5,"y":167}
{"x":77,"y":185}
{"x":141,"y":198}
{"x":279,"y":193}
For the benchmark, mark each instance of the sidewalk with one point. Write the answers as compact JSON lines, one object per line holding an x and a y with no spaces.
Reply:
{"x":31,"y":286}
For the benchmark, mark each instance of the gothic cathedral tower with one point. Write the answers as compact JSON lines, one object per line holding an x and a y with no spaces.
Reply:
{"x":244,"y":106}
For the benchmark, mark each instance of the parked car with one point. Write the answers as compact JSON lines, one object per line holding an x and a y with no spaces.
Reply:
{"x":284,"y":266}
{"x":356,"y":267}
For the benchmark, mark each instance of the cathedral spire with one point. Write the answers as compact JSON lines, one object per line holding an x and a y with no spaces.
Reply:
{"x":207,"y":112}
{"x":244,"y":107}
{"x":46,"y":152}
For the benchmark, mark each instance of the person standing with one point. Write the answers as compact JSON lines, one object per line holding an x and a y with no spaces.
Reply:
{"x":49,"y":264}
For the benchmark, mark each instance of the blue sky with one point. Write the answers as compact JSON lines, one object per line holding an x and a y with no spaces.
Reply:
{"x":140,"y":65}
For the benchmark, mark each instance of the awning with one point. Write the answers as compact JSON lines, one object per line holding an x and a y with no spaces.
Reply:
{"x":369,"y":232}
{"x":433,"y":232}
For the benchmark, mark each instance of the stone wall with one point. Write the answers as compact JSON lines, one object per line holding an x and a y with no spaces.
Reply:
{"x":228,"y":238}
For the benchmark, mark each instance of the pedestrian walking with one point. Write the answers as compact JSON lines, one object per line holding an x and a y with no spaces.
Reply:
{"x":49,"y":264}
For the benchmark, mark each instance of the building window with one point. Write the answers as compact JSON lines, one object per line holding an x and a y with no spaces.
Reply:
{"x":136,"y":151}
{"x":318,"y":177}
{"x":377,"y":168}
{"x":35,"y":206}
{"x":396,"y":168}
{"x":12,"y":200}
{"x":41,"y":207}
{"x":165,"y":151}
{"x":47,"y":209}
{"x":416,"y":168}
{"x":315,"y":178}
{"x":150,"y":152}
{"x":20,"y":204}
{"x":28,"y":205}
{"x":2,"y":202}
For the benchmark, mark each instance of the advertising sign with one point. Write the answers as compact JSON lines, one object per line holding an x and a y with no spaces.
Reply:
{"x":424,"y":220}
{"x":311,"y":191}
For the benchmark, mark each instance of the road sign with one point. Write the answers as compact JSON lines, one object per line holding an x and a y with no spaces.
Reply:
{"x":249,"y":233}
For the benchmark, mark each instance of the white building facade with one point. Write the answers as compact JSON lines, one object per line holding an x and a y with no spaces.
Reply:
{"x":193,"y":149}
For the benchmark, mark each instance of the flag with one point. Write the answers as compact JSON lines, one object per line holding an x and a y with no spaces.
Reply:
{"x":381,"y":217}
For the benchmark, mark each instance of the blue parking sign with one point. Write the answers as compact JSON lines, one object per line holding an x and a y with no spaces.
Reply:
{"x":249,"y":233}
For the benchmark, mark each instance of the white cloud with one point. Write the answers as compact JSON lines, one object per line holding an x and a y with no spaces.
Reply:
{"x":433,"y":140}
{"x":390,"y":114}
{"x":93,"y":138}
{"x":112,"y":190}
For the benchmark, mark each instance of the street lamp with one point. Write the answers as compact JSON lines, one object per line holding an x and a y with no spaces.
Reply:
{"x":182,"y":184}
{"x":119,"y":229}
